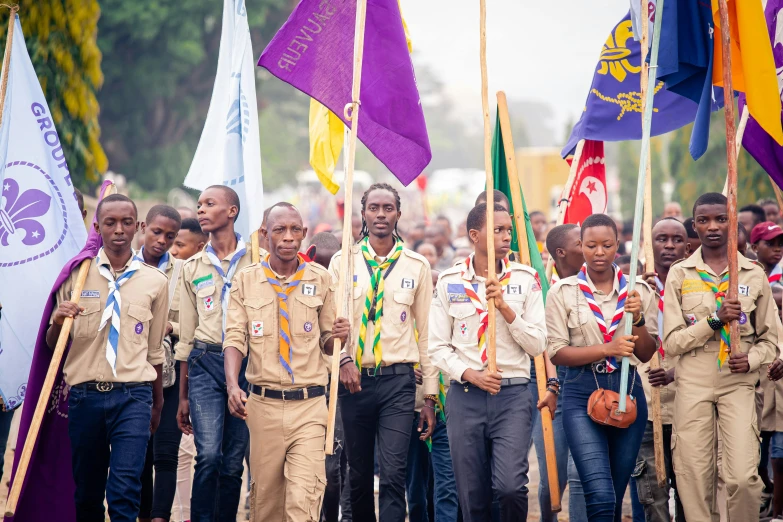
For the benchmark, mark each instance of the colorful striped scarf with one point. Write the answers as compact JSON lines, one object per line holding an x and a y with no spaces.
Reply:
{"x":480,"y":306}
{"x":720,"y":293}
{"x":608,"y":333}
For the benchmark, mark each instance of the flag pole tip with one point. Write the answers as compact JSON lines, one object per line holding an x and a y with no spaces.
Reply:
{"x":13,"y":7}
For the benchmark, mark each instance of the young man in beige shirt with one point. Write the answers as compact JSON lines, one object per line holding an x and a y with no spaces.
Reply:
{"x":113,"y":367}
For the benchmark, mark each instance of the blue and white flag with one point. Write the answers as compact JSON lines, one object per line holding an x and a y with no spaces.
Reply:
{"x":41,"y":227}
{"x":229,"y":152}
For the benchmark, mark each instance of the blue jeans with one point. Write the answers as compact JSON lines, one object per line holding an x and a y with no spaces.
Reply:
{"x":577,"y":512}
{"x":417,"y":478}
{"x":604,"y":456}
{"x":445,"y":495}
{"x":561,"y":449}
{"x":109,"y":432}
{"x":221,"y":440}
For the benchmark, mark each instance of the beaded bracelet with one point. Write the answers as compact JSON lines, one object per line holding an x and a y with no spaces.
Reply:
{"x":714,"y":323}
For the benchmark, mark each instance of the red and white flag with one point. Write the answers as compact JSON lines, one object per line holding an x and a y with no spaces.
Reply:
{"x":588,"y":193}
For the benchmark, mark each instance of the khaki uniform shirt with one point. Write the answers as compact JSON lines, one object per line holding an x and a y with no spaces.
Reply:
{"x":406,"y":300}
{"x":689,"y":302}
{"x":570,"y":321}
{"x":454,"y":323}
{"x":200,"y":309}
{"x":253,"y":326}
{"x":144,"y":298}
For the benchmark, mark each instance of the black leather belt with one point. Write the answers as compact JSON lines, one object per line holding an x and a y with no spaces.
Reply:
{"x":289,"y":395}
{"x":210,"y":347}
{"x":109,"y":386}
{"x":392,"y":369}
{"x":512,"y":381}
{"x":602,"y":367}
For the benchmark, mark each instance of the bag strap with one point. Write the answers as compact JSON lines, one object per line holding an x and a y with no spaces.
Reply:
{"x":174,"y":280}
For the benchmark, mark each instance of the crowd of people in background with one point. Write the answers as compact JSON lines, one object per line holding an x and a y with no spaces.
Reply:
{"x":226,"y":361}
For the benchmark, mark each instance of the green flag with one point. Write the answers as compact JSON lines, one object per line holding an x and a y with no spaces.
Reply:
{"x":500,"y":177}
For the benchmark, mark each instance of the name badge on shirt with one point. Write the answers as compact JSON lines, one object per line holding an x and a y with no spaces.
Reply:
{"x":308,"y":290}
{"x":257,"y":328}
{"x":91,"y":293}
{"x":514,"y":289}
{"x":743,"y":290}
{"x":407,"y":284}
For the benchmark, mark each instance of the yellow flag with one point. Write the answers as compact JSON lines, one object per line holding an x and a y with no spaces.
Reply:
{"x":752,"y":64}
{"x":327,"y":135}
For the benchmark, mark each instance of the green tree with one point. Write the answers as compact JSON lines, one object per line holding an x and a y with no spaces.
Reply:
{"x":61,"y":39}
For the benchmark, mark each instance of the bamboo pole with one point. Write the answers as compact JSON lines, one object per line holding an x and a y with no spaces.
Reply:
{"x":565,"y":198}
{"x":490,"y":221}
{"x":524,"y":255}
{"x":48,"y":385}
{"x":7,"y":57}
{"x":655,"y":362}
{"x":351,"y":113}
{"x":640,"y":186}
{"x":731,"y":179}
{"x":744,"y":117}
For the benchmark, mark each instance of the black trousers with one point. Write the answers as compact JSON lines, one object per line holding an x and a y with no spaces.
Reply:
{"x":384,"y":408}
{"x":488,"y":436}
{"x":336,"y":471}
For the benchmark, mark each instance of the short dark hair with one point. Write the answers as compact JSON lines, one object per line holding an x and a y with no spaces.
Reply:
{"x":477,"y":217}
{"x":759,"y":213}
{"x":191,"y":224}
{"x":441,"y":217}
{"x":688,"y":224}
{"x":326,"y":244}
{"x":279,"y":204}
{"x":231,"y":196}
{"x":767,"y":201}
{"x":537,"y":212}
{"x":598,"y":220}
{"x":115,"y":198}
{"x":79,"y":198}
{"x":670,"y":218}
{"x":627,"y":259}
{"x":710,"y":198}
{"x":557,"y":236}
{"x":165,"y":211}
{"x":497,"y":196}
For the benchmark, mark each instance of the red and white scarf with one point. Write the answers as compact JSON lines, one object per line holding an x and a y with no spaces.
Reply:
{"x":481,"y":308}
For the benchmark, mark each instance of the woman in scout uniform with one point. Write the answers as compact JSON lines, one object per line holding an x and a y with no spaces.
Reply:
{"x":159,"y":230}
{"x":282,"y":318}
{"x":712,"y":384}
{"x":586,"y":315}
{"x":113,"y":367}
{"x":220,"y":439}
{"x":392,"y":290}
{"x":488,"y":408}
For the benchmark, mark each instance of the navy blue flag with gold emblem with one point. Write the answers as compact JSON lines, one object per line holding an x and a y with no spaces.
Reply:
{"x":613,"y":111}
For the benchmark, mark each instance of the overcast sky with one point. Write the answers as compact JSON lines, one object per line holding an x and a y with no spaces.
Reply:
{"x":536,"y":50}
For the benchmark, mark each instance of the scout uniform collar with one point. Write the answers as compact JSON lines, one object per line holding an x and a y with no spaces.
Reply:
{"x":696,"y":261}
{"x":469,"y":273}
{"x":102,"y":259}
{"x":589,"y":282}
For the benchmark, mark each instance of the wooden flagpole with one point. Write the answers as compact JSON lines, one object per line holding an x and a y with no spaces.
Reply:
{"x":490,"y":221}
{"x":562,"y":205}
{"x":351,"y":113}
{"x":640,"y":189}
{"x":731,"y":179}
{"x":7,"y":56}
{"x":524,"y":255}
{"x":655,"y":362}
{"x":48,"y":385}
{"x":744,"y":117}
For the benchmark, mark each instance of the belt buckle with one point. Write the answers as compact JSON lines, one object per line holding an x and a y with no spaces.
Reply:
{"x":372,"y":372}
{"x":600,"y":367}
{"x":104,"y":387}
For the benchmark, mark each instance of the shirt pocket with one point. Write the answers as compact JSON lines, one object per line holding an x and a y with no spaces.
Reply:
{"x":398,"y":308}
{"x":303,"y":315}
{"x":208,"y":300}
{"x":260,"y":319}
{"x":135,"y":327}
{"x":466,"y":324}
{"x":86,"y":324}
{"x":697,"y":306}
{"x":748,"y":304}
{"x":517,"y":303}
{"x":577,"y":325}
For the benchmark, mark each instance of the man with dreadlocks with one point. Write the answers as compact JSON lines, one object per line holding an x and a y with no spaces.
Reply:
{"x":392,"y":291}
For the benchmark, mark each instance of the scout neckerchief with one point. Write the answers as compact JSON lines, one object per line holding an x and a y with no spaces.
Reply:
{"x":162,"y":264}
{"x":226,"y":276}
{"x":113,"y":306}
{"x":374,"y":299}
{"x":441,"y":397}
{"x":720,"y":294}
{"x":282,"y":300}
{"x":608,"y":333}
{"x":505,"y":277}
{"x":660,"y":287}
{"x":775,"y":275}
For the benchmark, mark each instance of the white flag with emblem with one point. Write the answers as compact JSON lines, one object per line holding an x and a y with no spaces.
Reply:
{"x":229,"y":152}
{"x":41,"y":227}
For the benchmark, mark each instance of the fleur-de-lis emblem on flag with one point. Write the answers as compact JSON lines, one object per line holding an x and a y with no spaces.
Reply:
{"x":614,"y":55}
{"x":18,"y":213}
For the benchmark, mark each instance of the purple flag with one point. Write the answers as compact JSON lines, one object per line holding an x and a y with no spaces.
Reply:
{"x":756,"y":141}
{"x":313,"y":51}
{"x":49,"y":475}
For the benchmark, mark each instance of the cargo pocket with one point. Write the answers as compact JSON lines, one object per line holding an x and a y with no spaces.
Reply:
{"x":207,"y":300}
{"x":398,"y":309}
{"x":135,"y":328}
{"x":316,"y":497}
{"x":676,"y":466}
{"x":85,"y":325}
{"x":304,"y":315}
{"x":643,"y":486}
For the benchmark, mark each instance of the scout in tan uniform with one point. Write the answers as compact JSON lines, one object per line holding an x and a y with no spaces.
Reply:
{"x":220,"y":439}
{"x":113,"y":367}
{"x":282,"y":318}
{"x":773,"y":415}
{"x":669,"y":242}
{"x":710,"y":382}
{"x":392,"y":291}
{"x":488,"y":409}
